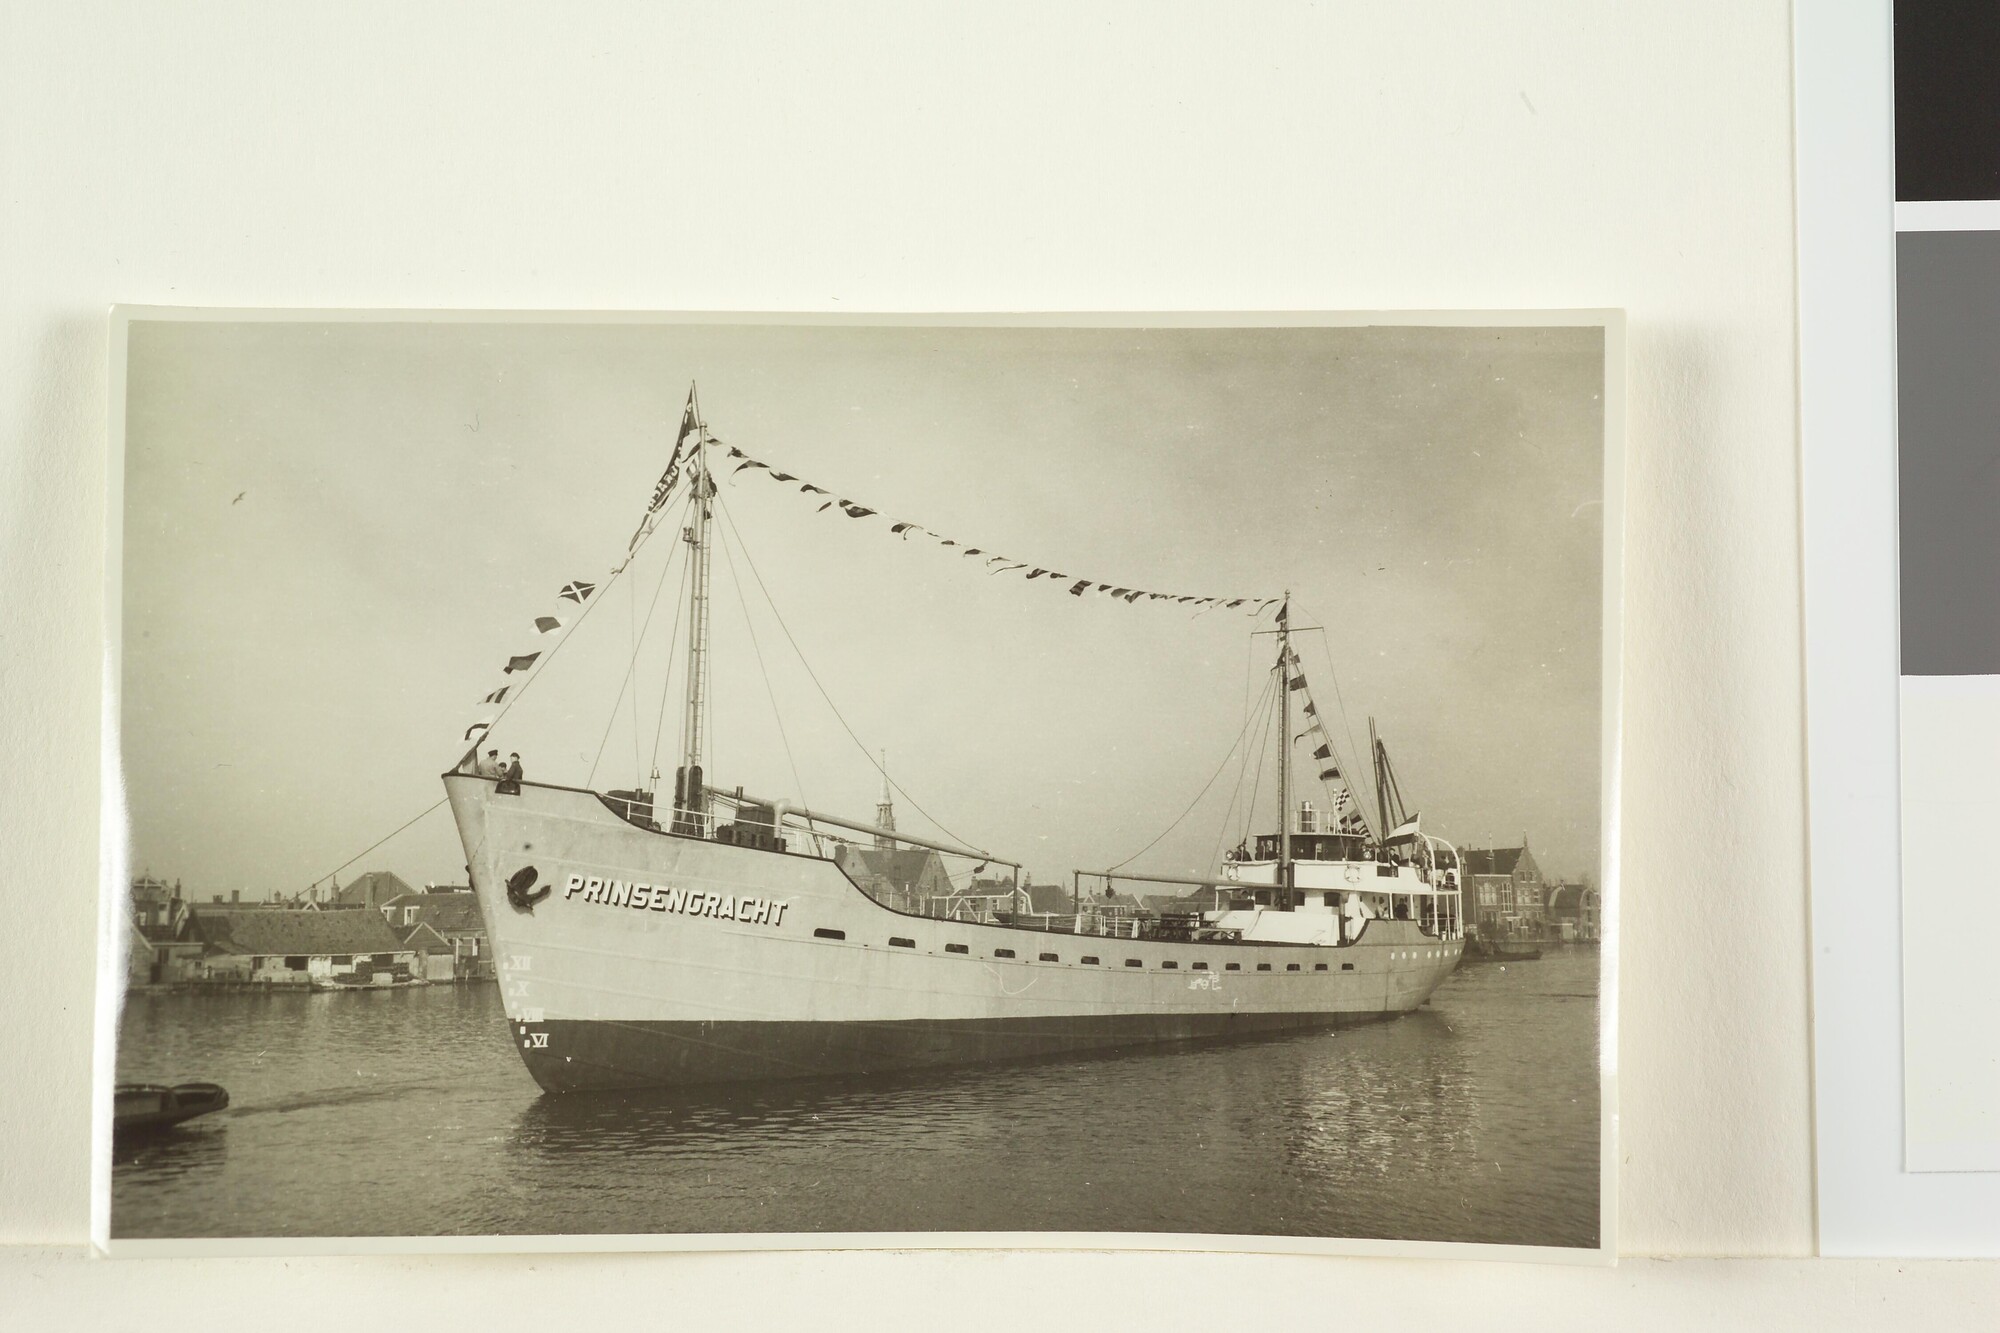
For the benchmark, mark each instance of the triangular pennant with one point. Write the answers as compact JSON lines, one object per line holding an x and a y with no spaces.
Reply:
{"x":498,"y":696}
{"x":782,"y":476}
{"x":687,"y":421}
{"x":854,"y":510}
{"x":475,"y":729}
{"x":521,"y":663}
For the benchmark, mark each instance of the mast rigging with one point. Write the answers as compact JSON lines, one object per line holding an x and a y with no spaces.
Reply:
{"x":690,"y":805}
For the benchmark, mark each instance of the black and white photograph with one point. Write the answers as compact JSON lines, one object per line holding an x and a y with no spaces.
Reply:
{"x":1033,"y":781}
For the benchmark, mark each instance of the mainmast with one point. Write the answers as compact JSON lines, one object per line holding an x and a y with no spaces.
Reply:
{"x":690,"y":802}
{"x":1285,"y":750}
{"x":1381,"y":783}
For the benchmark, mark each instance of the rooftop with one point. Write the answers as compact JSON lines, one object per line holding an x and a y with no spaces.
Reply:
{"x":444,"y":912}
{"x":1492,"y":860}
{"x":286,"y":931}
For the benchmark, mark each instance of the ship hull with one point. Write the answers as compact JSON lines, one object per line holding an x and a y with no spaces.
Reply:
{"x":632,"y":958}
{"x":584,"y":1055}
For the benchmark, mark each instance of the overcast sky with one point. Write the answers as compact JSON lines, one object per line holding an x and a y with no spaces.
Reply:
{"x":336,"y":534}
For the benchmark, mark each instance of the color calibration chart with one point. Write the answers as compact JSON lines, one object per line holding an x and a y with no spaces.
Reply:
{"x":1948,"y":464}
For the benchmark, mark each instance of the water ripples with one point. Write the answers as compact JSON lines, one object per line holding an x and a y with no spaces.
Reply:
{"x":408,"y":1113}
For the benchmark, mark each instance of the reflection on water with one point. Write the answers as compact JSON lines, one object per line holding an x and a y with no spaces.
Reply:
{"x":407,"y":1112}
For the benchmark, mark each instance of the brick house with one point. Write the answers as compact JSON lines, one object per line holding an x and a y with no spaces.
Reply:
{"x":1504,"y":893}
{"x":905,"y":878}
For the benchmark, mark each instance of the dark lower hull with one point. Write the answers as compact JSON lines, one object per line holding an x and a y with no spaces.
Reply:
{"x":575,"y":1056}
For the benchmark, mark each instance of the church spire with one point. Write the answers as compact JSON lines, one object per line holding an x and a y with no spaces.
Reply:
{"x":885,"y":809}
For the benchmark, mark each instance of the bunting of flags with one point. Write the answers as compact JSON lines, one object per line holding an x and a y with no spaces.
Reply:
{"x":1350,"y":817}
{"x":578,"y":592}
{"x":661,"y":490}
{"x":995,"y":563}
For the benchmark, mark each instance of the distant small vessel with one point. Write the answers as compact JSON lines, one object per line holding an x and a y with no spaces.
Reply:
{"x":139,"y":1108}
{"x":395,"y":979}
{"x":1501,"y":951}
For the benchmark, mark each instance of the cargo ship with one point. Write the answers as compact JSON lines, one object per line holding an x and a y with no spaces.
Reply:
{"x":724,"y":936}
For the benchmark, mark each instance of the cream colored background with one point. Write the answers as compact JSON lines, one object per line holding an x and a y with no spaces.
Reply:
{"x":1006,"y":156}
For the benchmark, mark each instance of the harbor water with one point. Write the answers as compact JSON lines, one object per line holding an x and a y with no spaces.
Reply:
{"x":408,"y":1113}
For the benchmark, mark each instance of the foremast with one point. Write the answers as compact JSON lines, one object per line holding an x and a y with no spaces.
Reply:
{"x":690,"y":797}
{"x":1284,"y":876}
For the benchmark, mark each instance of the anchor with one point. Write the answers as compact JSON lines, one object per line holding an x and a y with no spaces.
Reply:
{"x":521,"y":891}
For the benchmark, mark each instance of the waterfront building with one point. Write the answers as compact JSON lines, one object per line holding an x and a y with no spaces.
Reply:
{"x":906,"y":879}
{"x":1504,"y":892}
{"x":294,"y":947}
{"x":1576,"y":912}
{"x":452,"y":913}
{"x":371,"y":890}
{"x":433,"y":951}
{"x":160,"y":952}
{"x":1043,"y":899}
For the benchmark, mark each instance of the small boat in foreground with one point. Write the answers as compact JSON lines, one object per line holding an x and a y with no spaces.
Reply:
{"x":141,"y":1108}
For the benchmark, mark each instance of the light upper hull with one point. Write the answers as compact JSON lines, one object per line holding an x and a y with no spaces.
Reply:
{"x":631,"y":958}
